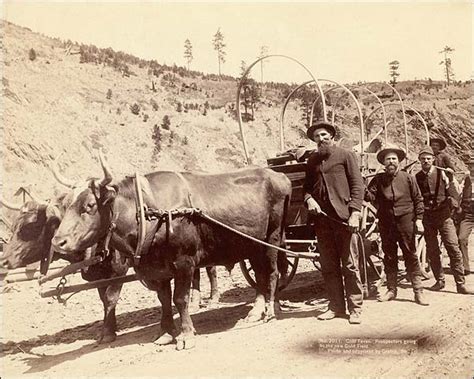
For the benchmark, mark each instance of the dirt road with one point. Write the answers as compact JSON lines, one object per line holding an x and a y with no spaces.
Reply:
{"x":397,"y":339}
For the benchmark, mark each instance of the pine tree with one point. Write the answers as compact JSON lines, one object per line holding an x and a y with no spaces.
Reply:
{"x":188,"y":52}
{"x":263,"y":53}
{"x":394,"y":65}
{"x":446,"y":62}
{"x":219,"y":46}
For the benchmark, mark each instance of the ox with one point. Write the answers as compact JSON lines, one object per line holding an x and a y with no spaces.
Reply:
{"x":253,"y":201}
{"x":32,"y":231}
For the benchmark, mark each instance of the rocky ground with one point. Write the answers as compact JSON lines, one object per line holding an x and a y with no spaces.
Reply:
{"x":42,"y":338}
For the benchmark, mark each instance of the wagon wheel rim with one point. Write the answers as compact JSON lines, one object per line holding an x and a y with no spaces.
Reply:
{"x":370,"y":232}
{"x":422,"y":258}
{"x":249,"y":273}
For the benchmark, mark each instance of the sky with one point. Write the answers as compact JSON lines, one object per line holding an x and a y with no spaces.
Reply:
{"x":346,"y":42}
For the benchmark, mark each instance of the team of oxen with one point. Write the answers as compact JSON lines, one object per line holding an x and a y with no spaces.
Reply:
{"x":253,"y":201}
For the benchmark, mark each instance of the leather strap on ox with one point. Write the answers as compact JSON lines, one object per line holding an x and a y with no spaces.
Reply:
{"x":141,"y":210}
{"x":154,"y":214}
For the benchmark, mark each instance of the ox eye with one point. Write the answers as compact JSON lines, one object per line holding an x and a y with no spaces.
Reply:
{"x":90,"y":208}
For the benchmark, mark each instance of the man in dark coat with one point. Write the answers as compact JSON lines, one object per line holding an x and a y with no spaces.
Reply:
{"x":466,"y":216}
{"x":334,"y":192}
{"x":438,"y":192}
{"x":400,"y":213}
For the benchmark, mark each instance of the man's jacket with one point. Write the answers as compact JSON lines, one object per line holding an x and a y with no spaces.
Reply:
{"x":395,"y":195}
{"x":337,"y":179}
{"x":439,"y":194}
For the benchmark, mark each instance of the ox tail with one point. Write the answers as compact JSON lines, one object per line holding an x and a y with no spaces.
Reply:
{"x":282,"y":262}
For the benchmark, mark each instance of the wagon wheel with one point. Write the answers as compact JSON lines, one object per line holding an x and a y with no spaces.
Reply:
{"x":371,"y":239}
{"x":249,"y":274}
{"x":421,"y":254}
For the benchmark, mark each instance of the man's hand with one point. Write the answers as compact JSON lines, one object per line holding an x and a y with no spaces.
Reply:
{"x":313,"y":206}
{"x":354,"y":221}
{"x":420,"y":229}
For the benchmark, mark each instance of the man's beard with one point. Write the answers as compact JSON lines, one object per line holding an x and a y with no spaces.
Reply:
{"x":391,"y":169}
{"x":324,"y":148}
{"x":426,"y":167}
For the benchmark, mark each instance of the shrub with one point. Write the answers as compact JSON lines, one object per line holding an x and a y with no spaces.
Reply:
{"x":135,"y":109}
{"x":145,"y":117}
{"x":179,"y":107}
{"x":156,"y":137}
{"x":32,"y":54}
{"x":166,"y":123}
{"x":109,"y":94}
{"x":154,"y":105}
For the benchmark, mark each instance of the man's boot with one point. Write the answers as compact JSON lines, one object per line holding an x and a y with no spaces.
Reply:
{"x":462,"y":289}
{"x":415,"y":278}
{"x":391,"y":292}
{"x":420,"y":298}
{"x":438,"y":286}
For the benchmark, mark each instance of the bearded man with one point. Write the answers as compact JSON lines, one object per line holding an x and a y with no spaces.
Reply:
{"x":400,"y":213}
{"x":334,"y":192}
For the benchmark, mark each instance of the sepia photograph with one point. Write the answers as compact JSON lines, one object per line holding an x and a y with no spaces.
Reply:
{"x":236,"y":189}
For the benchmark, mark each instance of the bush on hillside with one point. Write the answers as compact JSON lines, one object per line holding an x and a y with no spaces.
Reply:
{"x":154,"y":104}
{"x":156,"y":137}
{"x":109,"y":94}
{"x":135,"y":109}
{"x":32,"y":54}
{"x":166,"y":123}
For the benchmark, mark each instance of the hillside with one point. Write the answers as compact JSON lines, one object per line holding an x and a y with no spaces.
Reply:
{"x":56,"y":105}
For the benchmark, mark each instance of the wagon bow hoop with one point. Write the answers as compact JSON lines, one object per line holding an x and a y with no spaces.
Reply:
{"x":239,"y":88}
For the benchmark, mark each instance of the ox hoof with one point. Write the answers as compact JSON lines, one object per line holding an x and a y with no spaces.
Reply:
{"x":269,"y":317}
{"x":185,"y":342}
{"x":254,"y":317}
{"x":214,"y":299}
{"x":165,"y":339}
{"x":108,"y":338}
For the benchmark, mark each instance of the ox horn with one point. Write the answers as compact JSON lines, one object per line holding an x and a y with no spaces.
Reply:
{"x":107,"y":172}
{"x":6,"y":204}
{"x":58,"y":176}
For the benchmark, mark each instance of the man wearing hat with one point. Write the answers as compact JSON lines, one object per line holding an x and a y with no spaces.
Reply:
{"x":400,"y":213}
{"x":441,"y":158}
{"x":334,"y":192}
{"x":466,"y":216}
{"x":438,"y":192}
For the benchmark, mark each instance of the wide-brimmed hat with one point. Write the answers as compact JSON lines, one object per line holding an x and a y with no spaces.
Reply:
{"x":391,"y":149}
{"x":442,"y":142}
{"x":318,"y":125}
{"x":426,"y":150}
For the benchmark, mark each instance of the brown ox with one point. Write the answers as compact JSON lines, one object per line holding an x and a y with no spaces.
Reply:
{"x":32,"y":231}
{"x":253,"y":201}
